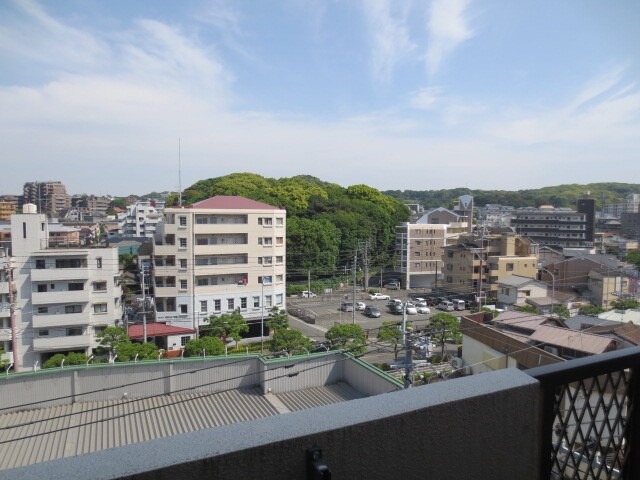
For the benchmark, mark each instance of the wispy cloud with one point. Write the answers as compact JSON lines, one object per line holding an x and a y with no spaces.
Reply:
{"x":391,"y":40}
{"x":447,"y":29}
{"x":604,"y":109}
{"x":425,"y":98}
{"x":30,"y":32}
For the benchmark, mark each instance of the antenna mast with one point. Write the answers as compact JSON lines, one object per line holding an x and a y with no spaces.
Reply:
{"x":179,"y":176}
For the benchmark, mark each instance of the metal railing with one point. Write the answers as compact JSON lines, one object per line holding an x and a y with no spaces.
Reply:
{"x":591,"y":417}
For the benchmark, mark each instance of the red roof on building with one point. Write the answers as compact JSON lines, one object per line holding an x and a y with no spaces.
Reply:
{"x":157,"y":330}
{"x":232,"y":202}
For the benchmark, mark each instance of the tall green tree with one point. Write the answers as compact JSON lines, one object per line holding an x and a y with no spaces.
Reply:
{"x":391,"y":332}
{"x":208,"y":345}
{"x":444,"y":325}
{"x":228,"y":325}
{"x":290,"y":341}
{"x":347,"y":336}
{"x":110,"y":337}
{"x":278,"y":319}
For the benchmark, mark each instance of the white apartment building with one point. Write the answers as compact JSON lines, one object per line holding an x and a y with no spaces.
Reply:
{"x":140,"y":220}
{"x":419,"y":249}
{"x":222,"y":254}
{"x":63,"y":297}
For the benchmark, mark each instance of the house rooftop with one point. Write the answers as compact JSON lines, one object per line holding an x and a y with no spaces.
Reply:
{"x":519,"y":281}
{"x":157,"y":330}
{"x":232,"y":202}
{"x":572,"y":339}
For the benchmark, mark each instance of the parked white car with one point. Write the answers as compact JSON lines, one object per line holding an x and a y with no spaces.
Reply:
{"x":360,"y":306}
{"x":307,"y":294}
{"x":411,"y":309}
{"x":423,"y":309}
{"x":378,"y":296}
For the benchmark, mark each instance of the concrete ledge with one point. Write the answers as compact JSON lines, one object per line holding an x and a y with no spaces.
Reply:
{"x":478,"y":427}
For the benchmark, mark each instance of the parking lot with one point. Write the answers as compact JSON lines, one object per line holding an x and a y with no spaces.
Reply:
{"x":327,"y":309}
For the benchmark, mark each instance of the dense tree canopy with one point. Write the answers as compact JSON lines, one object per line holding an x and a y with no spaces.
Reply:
{"x":559,"y":196}
{"x":325,"y":221}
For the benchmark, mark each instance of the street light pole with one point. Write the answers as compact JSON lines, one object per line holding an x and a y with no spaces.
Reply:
{"x":553,"y":286}
{"x":262,"y":319}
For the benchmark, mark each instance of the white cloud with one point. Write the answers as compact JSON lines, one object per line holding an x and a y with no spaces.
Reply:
{"x":447,"y":29}
{"x":30,"y":32}
{"x":391,"y":41}
{"x":425,"y":98}
{"x":603,"y":110}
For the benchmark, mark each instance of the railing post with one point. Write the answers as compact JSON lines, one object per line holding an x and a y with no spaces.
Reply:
{"x":547,"y":414}
{"x":632,"y":466}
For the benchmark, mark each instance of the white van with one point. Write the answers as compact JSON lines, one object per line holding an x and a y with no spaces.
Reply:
{"x":458,"y":304}
{"x":446,"y":305}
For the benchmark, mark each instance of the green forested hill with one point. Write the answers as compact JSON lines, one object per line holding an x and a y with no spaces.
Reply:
{"x":325,"y":221}
{"x":558,"y":196}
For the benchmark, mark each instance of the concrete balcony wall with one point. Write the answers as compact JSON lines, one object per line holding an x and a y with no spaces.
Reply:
{"x":213,"y":229}
{"x":5,"y":335}
{"x":4,"y":287}
{"x":76,"y":342}
{"x":480,"y":427}
{"x":59,"y":274}
{"x":60,"y":320}
{"x":69,"y":296}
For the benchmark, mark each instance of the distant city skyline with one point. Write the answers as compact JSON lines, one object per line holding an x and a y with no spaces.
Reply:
{"x":399,"y":95}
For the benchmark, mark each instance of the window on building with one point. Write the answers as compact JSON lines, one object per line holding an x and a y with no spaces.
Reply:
{"x":243,"y":303}
{"x":73,"y":309}
{"x":217,"y":305}
{"x":183,"y":284}
{"x":183,"y":242}
{"x":184,"y":340}
{"x":279,"y":240}
{"x":40,"y":264}
{"x":417,"y":254}
{"x":75,"y":286}
{"x":203,"y":306}
{"x":268,"y":301}
{"x":266,"y":280}
{"x":99,"y":286}
{"x":230,"y":304}
{"x":203,"y":282}
{"x":279,"y":278}
{"x":256,"y":302}
{"x":509,"y":267}
{"x":259,"y":260}
{"x":265,"y":241}
{"x":74,"y":332}
{"x":268,"y":260}
{"x":43,"y":309}
{"x":42,"y":288}
{"x":183,"y":221}
{"x":183,"y":263}
{"x":43,"y":333}
{"x":70,"y":263}
{"x":184,"y":308}
{"x":279,"y":259}
{"x":279,"y":299}
{"x":279,"y":221}
{"x":99,"y":308}
{"x":99,"y":262}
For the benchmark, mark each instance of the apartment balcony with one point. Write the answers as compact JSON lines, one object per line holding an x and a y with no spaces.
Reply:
{"x":578,"y":419}
{"x":4,"y":287}
{"x":76,"y":342}
{"x":60,"y":320}
{"x":5,"y":335}
{"x":221,"y":249}
{"x":54,"y":274}
{"x":216,"y":228}
{"x":164,"y":249}
{"x":69,"y":296}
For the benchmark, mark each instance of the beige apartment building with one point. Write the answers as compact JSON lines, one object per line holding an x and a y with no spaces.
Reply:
{"x":62,"y":297}
{"x":222,"y":254}
{"x":419,"y":249}
{"x":50,"y":197}
{"x":475,"y":264}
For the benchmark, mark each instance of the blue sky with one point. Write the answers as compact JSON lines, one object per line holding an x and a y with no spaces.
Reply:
{"x":394,"y":94}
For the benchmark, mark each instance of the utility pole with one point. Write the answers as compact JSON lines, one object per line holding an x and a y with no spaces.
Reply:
{"x":12,"y":313}
{"x":355,"y":275}
{"x":365,"y":260}
{"x":144,"y":308}
{"x":308,"y":281}
{"x":408,"y":351}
